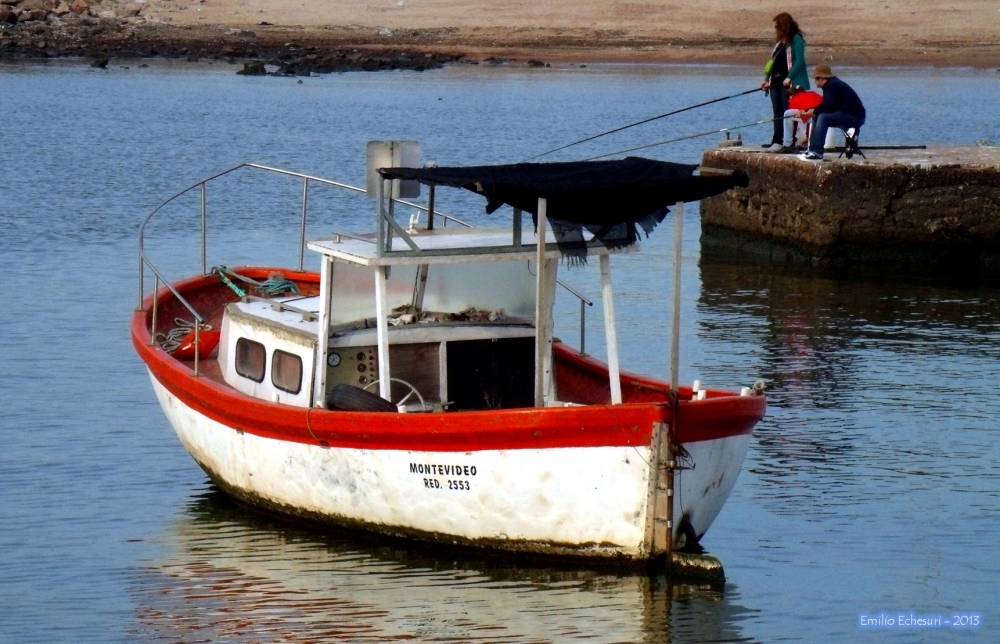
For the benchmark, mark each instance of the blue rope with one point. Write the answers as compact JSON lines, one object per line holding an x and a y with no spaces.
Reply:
{"x":276,"y":284}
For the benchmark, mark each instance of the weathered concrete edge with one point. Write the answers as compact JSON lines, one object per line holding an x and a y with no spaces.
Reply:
{"x":834,"y":212}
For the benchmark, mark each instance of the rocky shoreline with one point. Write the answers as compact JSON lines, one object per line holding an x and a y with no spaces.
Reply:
{"x":97,"y":30}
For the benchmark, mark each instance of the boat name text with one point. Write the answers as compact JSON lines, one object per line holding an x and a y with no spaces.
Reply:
{"x":443,"y":470}
{"x":433,"y":469}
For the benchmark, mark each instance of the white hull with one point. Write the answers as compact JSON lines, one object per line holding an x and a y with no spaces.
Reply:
{"x":582,"y":500}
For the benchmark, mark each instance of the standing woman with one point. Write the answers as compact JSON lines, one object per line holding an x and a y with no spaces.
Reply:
{"x":786,"y":67}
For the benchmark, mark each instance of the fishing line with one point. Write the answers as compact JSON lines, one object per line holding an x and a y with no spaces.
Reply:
{"x":690,"y":136}
{"x":652,"y":118}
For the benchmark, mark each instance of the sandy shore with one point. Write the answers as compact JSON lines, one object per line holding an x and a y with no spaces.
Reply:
{"x":871,"y":32}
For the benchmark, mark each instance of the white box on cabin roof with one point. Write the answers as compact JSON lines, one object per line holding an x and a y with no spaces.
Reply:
{"x":393,"y":154}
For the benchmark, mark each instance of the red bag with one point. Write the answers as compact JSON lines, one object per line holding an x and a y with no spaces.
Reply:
{"x":208,"y":341}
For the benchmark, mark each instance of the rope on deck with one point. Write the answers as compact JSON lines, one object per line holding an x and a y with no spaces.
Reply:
{"x":276,"y":284}
{"x":172,"y":339}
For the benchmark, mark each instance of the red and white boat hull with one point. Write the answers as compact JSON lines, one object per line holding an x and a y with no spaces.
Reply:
{"x":582,"y":501}
{"x":580,"y":479}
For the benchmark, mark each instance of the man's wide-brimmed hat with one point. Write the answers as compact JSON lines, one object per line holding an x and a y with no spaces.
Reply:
{"x":823,"y":71}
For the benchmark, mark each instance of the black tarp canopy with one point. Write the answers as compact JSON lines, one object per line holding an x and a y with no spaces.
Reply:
{"x":607,"y":198}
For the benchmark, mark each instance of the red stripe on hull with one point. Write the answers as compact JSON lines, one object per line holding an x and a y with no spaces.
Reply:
{"x":590,"y":426}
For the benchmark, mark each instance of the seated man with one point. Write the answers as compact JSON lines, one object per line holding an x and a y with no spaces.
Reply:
{"x":799,"y":101}
{"x":840,"y":108}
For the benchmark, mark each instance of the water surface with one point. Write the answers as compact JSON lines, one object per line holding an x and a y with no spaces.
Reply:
{"x":871,"y":485}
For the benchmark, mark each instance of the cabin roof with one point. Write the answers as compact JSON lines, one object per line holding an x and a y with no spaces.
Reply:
{"x":445,"y":246}
{"x":581,"y":192}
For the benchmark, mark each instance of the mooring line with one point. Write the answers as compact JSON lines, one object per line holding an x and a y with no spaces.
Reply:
{"x":309,"y":427}
{"x":690,"y":136}
{"x":642,"y":122}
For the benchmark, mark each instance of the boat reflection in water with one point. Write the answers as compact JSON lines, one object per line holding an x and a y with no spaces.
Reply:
{"x":229,"y":574}
{"x":876,"y":379}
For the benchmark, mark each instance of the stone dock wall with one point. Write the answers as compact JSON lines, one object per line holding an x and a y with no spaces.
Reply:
{"x":896,"y":206}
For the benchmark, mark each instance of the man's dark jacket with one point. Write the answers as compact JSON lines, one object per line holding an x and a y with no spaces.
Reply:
{"x":839,"y":97}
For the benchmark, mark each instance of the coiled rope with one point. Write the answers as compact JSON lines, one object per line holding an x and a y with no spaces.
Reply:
{"x":172,"y":339}
{"x":276,"y":284}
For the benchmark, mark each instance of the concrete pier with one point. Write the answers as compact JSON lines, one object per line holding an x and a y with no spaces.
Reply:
{"x":941,"y":204}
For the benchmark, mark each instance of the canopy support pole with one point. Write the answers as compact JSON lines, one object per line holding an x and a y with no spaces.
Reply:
{"x":323,"y":330}
{"x":379,"y":216}
{"x":545,"y":286}
{"x":607,"y":294}
{"x":430,"y":207}
{"x":382,"y":322}
{"x":667,"y":456}
{"x":675,"y":327}
{"x":443,"y":371}
{"x":420,"y":287}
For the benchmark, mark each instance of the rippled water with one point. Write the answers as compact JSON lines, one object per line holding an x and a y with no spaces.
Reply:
{"x":871,"y":485}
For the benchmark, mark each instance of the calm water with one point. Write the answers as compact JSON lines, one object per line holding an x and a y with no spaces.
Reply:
{"x":873,"y":483}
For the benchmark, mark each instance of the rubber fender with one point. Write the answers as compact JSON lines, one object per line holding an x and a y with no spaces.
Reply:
{"x":349,"y":398}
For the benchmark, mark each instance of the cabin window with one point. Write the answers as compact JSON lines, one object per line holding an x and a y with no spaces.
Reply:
{"x":286,"y":371}
{"x":250,"y":357}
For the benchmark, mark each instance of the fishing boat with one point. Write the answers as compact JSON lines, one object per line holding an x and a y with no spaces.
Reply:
{"x":413,"y":387}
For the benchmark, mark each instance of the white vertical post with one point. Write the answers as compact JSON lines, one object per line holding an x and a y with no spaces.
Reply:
{"x":548,"y":382}
{"x":675,"y":331}
{"x":610,"y":333}
{"x":323,"y":330}
{"x":380,"y":224}
{"x":544,"y":292}
{"x":664,"y":507}
{"x":382,"y":325}
{"x":443,"y":370}
{"x":420,"y":287}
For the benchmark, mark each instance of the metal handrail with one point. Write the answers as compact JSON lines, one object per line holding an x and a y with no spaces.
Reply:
{"x":144,"y":261}
{"x":158,"y":276}
{"x":306,"y":178}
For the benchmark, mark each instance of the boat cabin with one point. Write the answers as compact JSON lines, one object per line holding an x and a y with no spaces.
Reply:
{"x":467,"y":343}
{"x":439,"y":318}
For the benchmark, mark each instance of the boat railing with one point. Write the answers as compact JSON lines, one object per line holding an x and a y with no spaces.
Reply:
{"x":202,"y":186}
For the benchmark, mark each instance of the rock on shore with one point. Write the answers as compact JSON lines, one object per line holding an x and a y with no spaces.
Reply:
{"x":100,"y":30}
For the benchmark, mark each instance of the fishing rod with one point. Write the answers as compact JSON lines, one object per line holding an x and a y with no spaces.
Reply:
{"x":690,"y":136}
{"x":652,"y":118}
